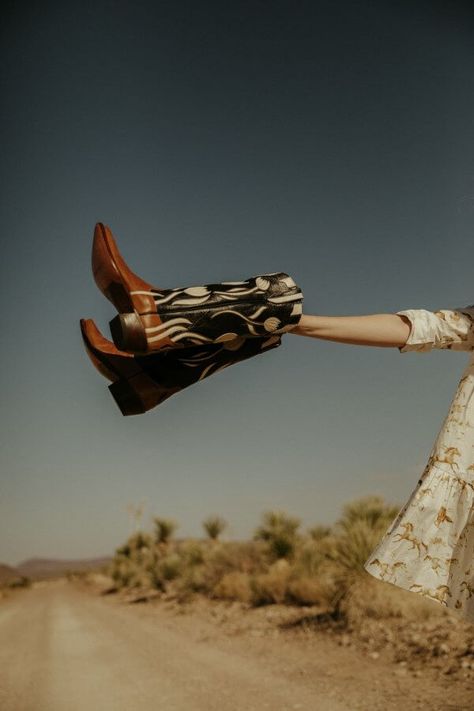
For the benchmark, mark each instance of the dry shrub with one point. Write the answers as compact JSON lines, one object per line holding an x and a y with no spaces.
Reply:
{"x":272,"y":587}
{"x":305,"y":590}
{"x":319,"y":531}
{"x":352,"y":548}
{"x":234,"y":586}
{"x":137,"y":547}
{"x":192,"y":553}
{"x":326,"y":568}
{"x":368,"y":597}
{"x":247,"y":557}
{"x":19,"y":582}
{"x":280,"y":531}
{"x":169,"y":567}
{"x":310,"y":556}
{"x":127,"y":573}
{"x":192,"y":581}
{"x":373,"y":510}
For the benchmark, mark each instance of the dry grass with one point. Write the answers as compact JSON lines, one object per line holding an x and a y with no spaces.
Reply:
{"x":371,"y":598}
{"x":234,"y":586}
{"x":272,"y":586}
{"x":306,"y":590}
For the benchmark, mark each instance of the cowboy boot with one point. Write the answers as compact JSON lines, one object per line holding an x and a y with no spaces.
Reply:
{"x":140,"y":383}
{"x":152,"y":319}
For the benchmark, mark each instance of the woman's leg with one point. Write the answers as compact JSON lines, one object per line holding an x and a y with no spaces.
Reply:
{"x":385,"y":330}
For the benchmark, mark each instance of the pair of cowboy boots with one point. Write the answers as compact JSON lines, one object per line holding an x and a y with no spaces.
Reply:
{"x":168,"y":339}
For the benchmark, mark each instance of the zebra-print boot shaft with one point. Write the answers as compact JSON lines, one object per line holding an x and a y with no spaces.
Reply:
{"x":152,"y":319}
{"x":214,"y":313}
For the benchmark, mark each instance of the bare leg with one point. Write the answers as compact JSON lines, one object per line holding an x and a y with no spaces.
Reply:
{"x":385,"y":330}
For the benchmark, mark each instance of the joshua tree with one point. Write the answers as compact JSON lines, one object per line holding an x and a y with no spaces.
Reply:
{"x":279,"y":530}
{"x":213,"y":526}
{"x":358,"y":530}
{"x":371,"y":510}
{"x":164,"y":529}
{"x":136,"y":543}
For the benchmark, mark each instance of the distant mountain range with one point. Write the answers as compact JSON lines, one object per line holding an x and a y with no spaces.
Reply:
{"x":43,"y":568}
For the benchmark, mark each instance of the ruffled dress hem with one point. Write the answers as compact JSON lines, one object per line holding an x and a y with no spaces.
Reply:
{"x":429,"y":547}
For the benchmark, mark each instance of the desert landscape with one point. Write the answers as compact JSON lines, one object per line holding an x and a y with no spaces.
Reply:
{"x":223,"y":223}
{"x":286,"y":620}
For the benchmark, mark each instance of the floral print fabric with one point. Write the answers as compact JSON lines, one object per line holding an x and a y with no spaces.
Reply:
{"x":429,"y":547}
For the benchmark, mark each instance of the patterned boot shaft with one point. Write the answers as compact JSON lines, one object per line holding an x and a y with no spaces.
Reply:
{"x":140,"y":383}
{"x":172,"y":370}
{"x":215,"y":313}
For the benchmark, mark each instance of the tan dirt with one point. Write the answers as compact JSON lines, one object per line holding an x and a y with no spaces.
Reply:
{"x":64,"y":648}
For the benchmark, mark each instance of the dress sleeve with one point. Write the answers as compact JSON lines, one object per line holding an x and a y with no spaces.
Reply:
{"x":452,"y":329}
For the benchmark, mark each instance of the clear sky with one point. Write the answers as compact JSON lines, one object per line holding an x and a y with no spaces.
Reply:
{"x":332,"y":140}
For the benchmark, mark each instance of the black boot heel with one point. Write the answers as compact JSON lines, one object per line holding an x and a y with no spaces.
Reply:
{"x":128,"y":333}
{"x":126,"y":398}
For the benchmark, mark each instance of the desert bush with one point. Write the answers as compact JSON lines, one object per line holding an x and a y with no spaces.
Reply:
{"x":191,"y":552}
{"x":214,"y":526}
{"x":170,"y":567}
{"x":325,"y":567}
{"x":369,"y":597}
{"x":164,"y":529}
{"x":164,"y":569}
{"x":352,"y":548}
{"x":246,"y":557}
{"x":279,"y":531}
{"x":307,"y":590}
{"x":121,"y":569}
{"x":357,"y":532}
{"x":318,"y":532}
{"x":372,"y":510}
{"x":136,"y":544}
{"x":355,"y":536}
{"x":192,"y":581}
{"x":234,"y":586}
{"x":309,"y":556}
{"x":20,"y":582}
{"x":126,"y":573}
{"x":272,"y":587}
{"x":123,"y":550}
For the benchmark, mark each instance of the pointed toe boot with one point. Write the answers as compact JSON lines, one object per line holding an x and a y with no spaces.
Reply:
{"x":140,"y":383}
{"x":132,"y":389}
{"x":152,"y":319}
{"x":117,"y":282}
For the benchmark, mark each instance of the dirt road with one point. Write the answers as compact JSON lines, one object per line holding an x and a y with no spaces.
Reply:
{"x":62,"y":649}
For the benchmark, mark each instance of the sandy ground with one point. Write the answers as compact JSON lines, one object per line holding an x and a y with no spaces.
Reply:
{"x":64,"y":648}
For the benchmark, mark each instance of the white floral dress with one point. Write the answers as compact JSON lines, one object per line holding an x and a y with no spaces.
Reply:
{"x":429,"y":547}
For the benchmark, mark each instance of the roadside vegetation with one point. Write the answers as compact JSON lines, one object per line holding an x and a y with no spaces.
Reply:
{"x":280,"y":564}
{"x":314,"y":580}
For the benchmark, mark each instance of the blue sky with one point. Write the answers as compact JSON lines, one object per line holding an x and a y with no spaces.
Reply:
{"x":329,"y":140}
